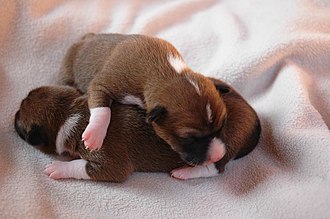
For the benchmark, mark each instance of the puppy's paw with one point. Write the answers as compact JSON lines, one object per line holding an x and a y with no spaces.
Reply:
{"x":96,"y":130}
{"x":195,"y":172}
{"x":64,"y":170}
{"x":93,"y":137}
{"x":57,"y":170}
{"x":182,"y":173}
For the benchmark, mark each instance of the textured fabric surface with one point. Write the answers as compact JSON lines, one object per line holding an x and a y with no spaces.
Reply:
{"x":276,"y":53}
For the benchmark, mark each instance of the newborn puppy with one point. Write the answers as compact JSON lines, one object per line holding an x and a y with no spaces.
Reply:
{"x":53,"y":119}
{"x":239,"y":132}
{"x":184,"y":107}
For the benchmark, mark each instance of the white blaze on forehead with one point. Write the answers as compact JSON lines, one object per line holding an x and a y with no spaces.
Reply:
{"x":132,"y":100}
{"x":65,"y":131}
{"x":194,"y":84}
{"x":209,"y":112}
{"x":176,"y":62}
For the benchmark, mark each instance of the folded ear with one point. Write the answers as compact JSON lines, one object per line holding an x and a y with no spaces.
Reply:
{"x":222,"y":87}
{"x":157,"y":115}
{"x":37,"y":136}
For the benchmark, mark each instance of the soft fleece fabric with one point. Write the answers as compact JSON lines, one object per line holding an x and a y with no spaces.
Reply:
{"x":276,"y":53}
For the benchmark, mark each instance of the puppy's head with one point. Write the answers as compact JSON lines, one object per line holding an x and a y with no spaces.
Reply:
{"x":42,"y":113}
{"x":190,"y":119}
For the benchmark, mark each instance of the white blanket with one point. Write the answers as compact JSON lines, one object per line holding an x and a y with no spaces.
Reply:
{"x":276,"y":53}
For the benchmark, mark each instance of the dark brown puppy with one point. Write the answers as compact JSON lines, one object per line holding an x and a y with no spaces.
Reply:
{"x":148,"y":72}
{"x":53,"y":119}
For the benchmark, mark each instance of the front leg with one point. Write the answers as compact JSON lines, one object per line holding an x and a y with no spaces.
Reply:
{"x":99,"y":103}
{"x":97,"y":127}
{"x":195,"y":172}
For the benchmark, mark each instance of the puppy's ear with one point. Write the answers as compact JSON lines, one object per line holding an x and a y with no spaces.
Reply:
{"x":222,"y":87}
{"x":156,"y":115}
{"x":37,"y":136}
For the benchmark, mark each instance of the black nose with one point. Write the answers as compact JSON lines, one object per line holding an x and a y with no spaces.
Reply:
{"x":21,"y":132}
{"x":195,"y":149}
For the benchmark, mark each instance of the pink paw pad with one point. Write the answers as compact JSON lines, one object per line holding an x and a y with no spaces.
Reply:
{"x":96,"y":130}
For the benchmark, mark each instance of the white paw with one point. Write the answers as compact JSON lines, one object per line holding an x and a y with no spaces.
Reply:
{"x":96,"y":130}
{"x":93,"y":137}
{"x":64,"y":169}
{"x":56,"y":170}
{"x":195,"y":172}
{"x":182,"y":173}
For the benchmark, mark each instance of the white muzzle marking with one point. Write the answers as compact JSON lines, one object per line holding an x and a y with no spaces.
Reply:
{"x":217,"y":151}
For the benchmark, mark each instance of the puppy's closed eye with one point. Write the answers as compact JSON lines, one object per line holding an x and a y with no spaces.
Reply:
{"x":156,"y":115}
{"x":37,"y":136}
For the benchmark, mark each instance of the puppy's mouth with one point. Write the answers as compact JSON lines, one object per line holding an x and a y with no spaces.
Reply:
{"x":192,"y":164}
{"x":192,"y":160}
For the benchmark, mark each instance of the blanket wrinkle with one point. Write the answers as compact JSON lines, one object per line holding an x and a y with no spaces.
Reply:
{"x":178,"y":12}
{"x":275,"y":53}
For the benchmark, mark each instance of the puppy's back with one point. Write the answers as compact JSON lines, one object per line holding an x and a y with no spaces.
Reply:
{"x":242,"y":129}
{"x":87,"y":57}
{"x":90,"y":55}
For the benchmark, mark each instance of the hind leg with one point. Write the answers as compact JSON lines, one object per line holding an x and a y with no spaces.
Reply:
{"x":75,"y":169}
{"x":83,"y":169}
{"x":66,"y":74}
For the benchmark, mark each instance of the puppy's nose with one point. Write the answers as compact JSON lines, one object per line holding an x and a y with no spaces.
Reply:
{"x":18,"y":129}
{"x":214,"y":158}
{"x":216,"y":152}
{"x":17,"y":116}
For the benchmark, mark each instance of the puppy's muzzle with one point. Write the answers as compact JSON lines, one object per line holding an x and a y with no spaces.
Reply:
{"x":191,"y":159}
{"x":21,"y":132}
{"x":36,"y":136}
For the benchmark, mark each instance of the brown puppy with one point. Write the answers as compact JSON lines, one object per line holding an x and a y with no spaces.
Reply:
{"x":53,"y":119}
{"x":240,"y":132}
{"x":148,"y":72}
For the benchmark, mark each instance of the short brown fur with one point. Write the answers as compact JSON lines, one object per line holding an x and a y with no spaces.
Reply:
{"x":130,"y":144}
{"x":110,"y":66}
{"x":240,"y":124}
